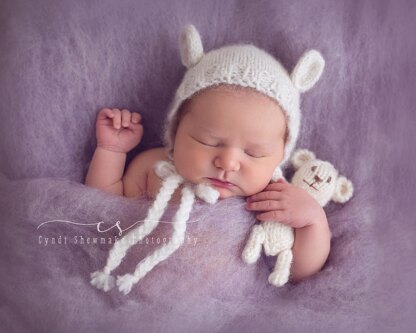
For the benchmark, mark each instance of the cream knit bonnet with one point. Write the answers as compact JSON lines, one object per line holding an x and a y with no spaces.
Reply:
{"x":246,"y":66}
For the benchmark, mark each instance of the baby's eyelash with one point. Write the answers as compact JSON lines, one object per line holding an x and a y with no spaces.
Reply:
{"x":254,"y":155}
{"x":204,"y":143}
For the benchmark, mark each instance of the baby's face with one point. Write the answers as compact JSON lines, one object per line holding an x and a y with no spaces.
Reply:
{"x":230,"y":139}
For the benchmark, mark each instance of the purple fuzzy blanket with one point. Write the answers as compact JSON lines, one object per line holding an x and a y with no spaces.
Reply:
{"x":61,"y":61}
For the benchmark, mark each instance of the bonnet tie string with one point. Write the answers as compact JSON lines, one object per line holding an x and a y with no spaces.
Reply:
{"x":171,"y":181}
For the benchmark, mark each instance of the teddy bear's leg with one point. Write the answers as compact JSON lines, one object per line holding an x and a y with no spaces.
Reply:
{"x":280,"y":274}
{"x":252,"y":250}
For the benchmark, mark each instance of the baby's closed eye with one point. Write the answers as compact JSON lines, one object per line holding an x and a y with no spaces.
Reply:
{"x":207,"y":142}
{"x":212,"y":142}
{"x":255,"y":154}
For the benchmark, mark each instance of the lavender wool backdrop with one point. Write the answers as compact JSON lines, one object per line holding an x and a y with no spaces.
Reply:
{"x":62,"y":61}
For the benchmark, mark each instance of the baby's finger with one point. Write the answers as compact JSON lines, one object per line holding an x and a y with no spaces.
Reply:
{"x":105,"y":113}
{"x":281,"y":181}
{"x":278,"y":186}
{"x":136,"y":128}
{"x":135,"y":117}
{"x":275,"y":215}
{"x":266,"y":195}
{"x":117,"y":119}
{"x":265,"y":205}
{"x":125,"y":117}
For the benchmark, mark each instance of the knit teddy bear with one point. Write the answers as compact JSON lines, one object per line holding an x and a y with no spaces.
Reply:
{"x":321,"y":180}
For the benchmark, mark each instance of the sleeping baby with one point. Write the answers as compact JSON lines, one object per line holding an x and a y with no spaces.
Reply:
{"x":232,"y":125}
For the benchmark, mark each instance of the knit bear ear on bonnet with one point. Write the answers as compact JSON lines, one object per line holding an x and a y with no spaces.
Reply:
{"x":247,"y":66}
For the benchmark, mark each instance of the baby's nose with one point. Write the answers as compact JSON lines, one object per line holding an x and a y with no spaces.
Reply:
{"x":228,"y":160}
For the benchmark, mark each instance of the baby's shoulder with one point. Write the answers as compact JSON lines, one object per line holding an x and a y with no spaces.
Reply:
{"x":140,"y":178}
{"x":147,"y":159}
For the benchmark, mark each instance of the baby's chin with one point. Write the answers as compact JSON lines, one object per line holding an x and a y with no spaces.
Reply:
{"x":227,"y":193}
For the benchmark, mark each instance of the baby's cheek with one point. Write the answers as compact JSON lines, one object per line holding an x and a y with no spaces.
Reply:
{"x":256,"y":179}
{"x":192,"y":163}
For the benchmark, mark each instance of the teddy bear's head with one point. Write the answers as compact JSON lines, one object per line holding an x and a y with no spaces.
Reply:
{"x":319,"y":178}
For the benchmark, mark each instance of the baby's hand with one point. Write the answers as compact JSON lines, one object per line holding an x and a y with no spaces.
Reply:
{"x":118,"y":131}
{"x":285,"y":203}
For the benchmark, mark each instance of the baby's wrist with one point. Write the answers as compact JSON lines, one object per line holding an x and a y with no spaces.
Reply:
{"x":111,"y":149}
{"x":318,"y":218}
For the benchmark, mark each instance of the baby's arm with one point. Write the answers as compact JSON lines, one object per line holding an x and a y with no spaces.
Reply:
{"x":311,"y":248}
{"x":106,"y":171}
{"x":293,"y":206}
{"x":117,"y":133}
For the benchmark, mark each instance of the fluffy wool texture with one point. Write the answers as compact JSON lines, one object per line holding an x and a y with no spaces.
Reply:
{"x":61,"y":61}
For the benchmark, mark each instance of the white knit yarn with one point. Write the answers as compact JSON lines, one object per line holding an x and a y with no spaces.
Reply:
{"x":103,"y":280}
{"x":277,"y":240}
{"x":320,"y":179}
{"x":281,"y":272}
{"x":126,"y":282}
{"x":246,"y":66}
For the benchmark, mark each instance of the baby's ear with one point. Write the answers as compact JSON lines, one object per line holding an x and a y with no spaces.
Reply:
{"x":343,"y":190}
{"x":301,"y":156}
{"x":308,"y":70}
{"x":190,"y":46}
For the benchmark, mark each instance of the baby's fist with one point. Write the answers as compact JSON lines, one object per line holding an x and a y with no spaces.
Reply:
{"x":118,"y":130}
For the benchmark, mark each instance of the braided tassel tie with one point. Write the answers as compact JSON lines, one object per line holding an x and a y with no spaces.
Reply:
{"x":104,"y":280}
{"x":126,"y":282}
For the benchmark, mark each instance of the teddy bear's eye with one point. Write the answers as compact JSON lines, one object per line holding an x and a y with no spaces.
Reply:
{"x":313,"y":168}
{"x":329,"y":179}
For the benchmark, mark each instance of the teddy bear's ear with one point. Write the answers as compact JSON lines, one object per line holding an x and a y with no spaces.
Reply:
{"x":308,"y":70}
{"x":190,"y":46}
{"x":301,"y":156}
{"x":343,"y":190}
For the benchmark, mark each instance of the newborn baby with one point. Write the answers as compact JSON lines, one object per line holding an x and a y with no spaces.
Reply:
{"x":231,"y":126}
